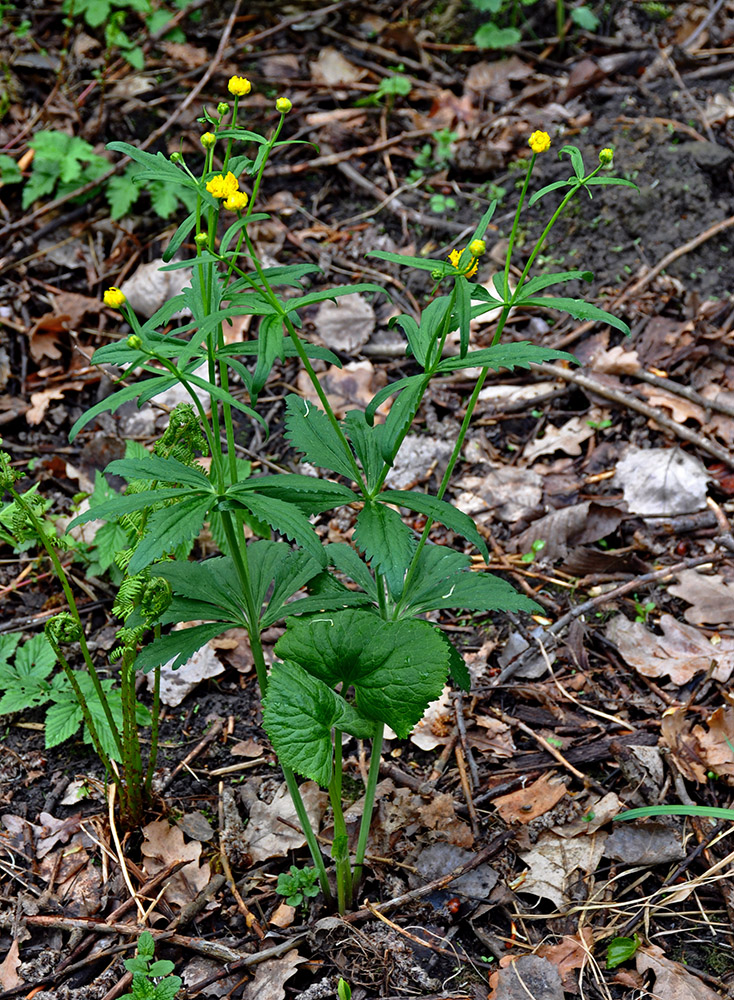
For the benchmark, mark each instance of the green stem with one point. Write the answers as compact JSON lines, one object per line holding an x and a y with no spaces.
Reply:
{"x":369,"y":802}
{"x":313,"y":844}
{"x":513,"y":233}
{"x":132,"y":804}
{"x":340,"y":847}
{"x":238,"y":548}
{"x":154,"y":725}
{"x":74,"y":611}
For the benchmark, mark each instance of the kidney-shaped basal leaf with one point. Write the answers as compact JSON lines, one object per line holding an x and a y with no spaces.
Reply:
{"x":396,"y":667}
{"x":299,"y":713}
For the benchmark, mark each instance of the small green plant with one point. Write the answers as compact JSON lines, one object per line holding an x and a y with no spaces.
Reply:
{"x":61,"y":163}
{"x":389,"y":88}
{"x":442,"y":204}
{"x":535,"y":549}
{"x":600,"y":425}
{"x":621,"y":949}
{"x":25,"y":684}
{"x":643,"y":610}
{"x":343,"y":990}
{"x":504,"y":29}
{"x":152,"y":980}
{"x":298,"y":884}
{"x":113,"y":14}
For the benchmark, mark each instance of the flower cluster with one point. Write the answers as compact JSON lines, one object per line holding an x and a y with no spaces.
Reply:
{"x":476,"y":249}
{"x":238,"y":86}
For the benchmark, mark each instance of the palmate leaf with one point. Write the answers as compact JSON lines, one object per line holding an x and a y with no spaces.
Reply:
{"x":364,"y":441}
{"x":346,"y":560}
{"x":332,"y":294}
{"x":402,"y":413}
{"x":287,"y":519}
{"x":167,"y":470}
{"x":542,"y":281}
{"x":480,"y":591}
{"x":395,"y":667}
{"x":129,"y":502}
{"x":390,"y":390}
{"x":310,"y":495}
{"x":450,"y":516}
{"x":24,"y":682}
{"x":213,"y":581}
{"x":386,"y":541}
{"x":421,"y":263}
{"x":299,"y":713}
{"x":509,"y":356}
{"x":458,"y":670}
{"x":309,"y":431}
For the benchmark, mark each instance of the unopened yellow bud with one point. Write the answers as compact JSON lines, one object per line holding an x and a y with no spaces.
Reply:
{"x":539,"y":142}
{"x":239,"y":86}
{"x":283,"y":105}
{"x":477,"y":248}
{"x":236,"y":201}
{"x":222,"y":108}
{"x":134,"y":341}
{"x":208,"y":139}
{"x":201,"y":239}
{"x":606,"y":156}
{"x":113,"y":298}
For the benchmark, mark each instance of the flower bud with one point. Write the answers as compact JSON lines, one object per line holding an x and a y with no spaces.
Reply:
{"x":222,"y":108}
{"x":238,"y":86}
{"x":176,"y":157}
{"x":606,"y":156}
{"x":208,"y":139}
{"x":477,"y":248}
{"x":201,"y":239}
{"x":539,"y":142}
{"x":437,"y":274}
{"x":114,"y":298}
{"x":283,"y":105}
{"x":134,"y":341}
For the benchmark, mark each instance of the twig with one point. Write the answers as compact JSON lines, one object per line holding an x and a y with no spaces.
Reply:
{"x":193,"y":754}
{"x":466,"y":788}
{"x":250,"y":918}
{"x":615,"y":396}
{"x":118,"y":848}
{"x":669,"y":385}
{"x":451,"y":953}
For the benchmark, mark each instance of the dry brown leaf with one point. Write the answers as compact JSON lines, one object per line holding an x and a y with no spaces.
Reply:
{"x":567,"y":439}
{"x":265,"y":836}
{"x":283,"y":916}
{"x":675,"y":732}
{"x":644,"y":844}
{"x":715,"y":744}
{"x":9,"y":977}
{"x":40,"y":401}
{"x":532,"y":801}
{"x":437,"y":725}
{"x":494,"y":737}
{"x":672,"y":980}
{"x":572,"y":952}
{"x":711,"y":597}
{"x":182,"y":52}
{"x":680,"y":408}
{"x":164,"y":844}
{"x":616,"y":361}
{"x":347,"y":388}
{"x":493,"y":78}
{"x":568,"y":527}
{"x":271,"y":977}
{"x":346,"y":324}
{"x":679,"y":653}
{"x":439,"y":814}
{"x":505,"y":492}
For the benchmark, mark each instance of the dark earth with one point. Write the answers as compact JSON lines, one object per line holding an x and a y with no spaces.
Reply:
{"x":522,"y":778}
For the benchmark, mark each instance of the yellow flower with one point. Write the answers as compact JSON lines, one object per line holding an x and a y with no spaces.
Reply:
{"x":477,"y":248}
{"x":470,"y":269}
{"x":222,"y":187}
{"x":114,"y":298}
{"x":239,"y":86}
{"x":235,"y":201}
{"x":283,"y":105}
{"x":539,"y":142}
{"x":208,"y":139}
{"x":606,"y":156}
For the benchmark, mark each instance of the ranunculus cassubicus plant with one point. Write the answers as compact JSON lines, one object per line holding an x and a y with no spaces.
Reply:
{"x":358,"y":653}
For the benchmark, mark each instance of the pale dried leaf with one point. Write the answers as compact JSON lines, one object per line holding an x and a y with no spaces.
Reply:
{"x":553,"y":861}
{"x":616,"y":361}
{"x":345,"y":324}
{"x":679,"y":653}
{"x":164,"y":844}
{"x":675,"y":732}
{"x":417,"y":460}
{"x":265,"y":836}
{"x":332,"y":68}
{"x":40,"y":401}
{"x":672,"y":981}
{"x":507,"y":492}
{"x":567,"y":439}
{"x":439,"y":814}
{"x":567,"y":527}
{"x":436,"y":727}
{"x":283,"y":916}
{"x":711,"y":597}
{"x":494,"y":737}
{"x":660,"y":482}
{"x":177,"y":684}
{"x":681,"y":409}
{"x":9,"y":977}
{"x":715,"y":744}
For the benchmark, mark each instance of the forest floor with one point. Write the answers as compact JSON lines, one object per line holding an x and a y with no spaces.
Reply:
{"x":603,"y":491}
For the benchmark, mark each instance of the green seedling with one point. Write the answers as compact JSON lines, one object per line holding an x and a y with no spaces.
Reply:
{"x":357,"y":652}
{"x":505,"y":29}
{"x":643,"y":610}
{"x":343,"y":990}
{"x":621,"y":949}
{"x":152,"y":980}
{"x":390,"y":87}
{"x":535,"y":549}
{"x":298,"y":884}
{"x":441,"y":204}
